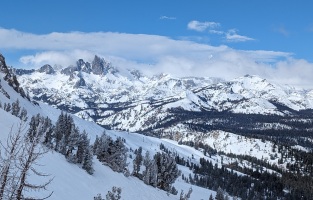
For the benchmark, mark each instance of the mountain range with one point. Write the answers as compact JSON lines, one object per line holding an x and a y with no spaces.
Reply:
{"x":248,"y":137}
{"x":126,"y":99}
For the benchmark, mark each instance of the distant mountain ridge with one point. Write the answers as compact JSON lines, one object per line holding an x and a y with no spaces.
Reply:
{"x":99,"y":92}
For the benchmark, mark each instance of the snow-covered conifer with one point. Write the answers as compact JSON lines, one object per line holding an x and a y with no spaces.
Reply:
{"x":112,"y":153}
{"x":137,"y":161}
{"x":23,"y":114}
{"x":7,"y":107}
{"x":87,"y":161}
{"x":16,"y":108}
{"x":58,"y":131}
{"x":185,"y":196}
{"x":167,"y":171}
{"x":115,"y":194}
{"x":82,"y":147}
{"x":150,"y":173}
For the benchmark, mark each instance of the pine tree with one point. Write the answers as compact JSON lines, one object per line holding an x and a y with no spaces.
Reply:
{"x":69,"y":146}
{"x":16,"y":108}
{"x":87,"y":161}
{"x":219,"y":194}
{"x":98,"y":197}
{"x":48,"y":135}
{"x":186,"y":196}
{"x":7,"y":107}
{"x":59,"y":131}
{"x":112,"y":153}
{"x":95,"y":144}
{"x":34,"y":126}
{"x":115,"y":194}
{"x":102,"y":151}
{"x":23,"y":114}
{"x":211,"y":197}
{"x":137,"y":161}
{"x":167,"y":170}
{"x":83,"y":146}
{"x":118,"y":156}
{"x":150,"y":173}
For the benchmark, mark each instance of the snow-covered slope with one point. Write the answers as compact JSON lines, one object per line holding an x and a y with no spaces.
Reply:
{"x":69,"y":180}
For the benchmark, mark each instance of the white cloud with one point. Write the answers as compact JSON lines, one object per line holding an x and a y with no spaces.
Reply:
{"x":232,"y":36}
{"x":64,"y":58}
{"x":155,"y":54}
{"x":201,"y":26}
{"x":167,"y":17}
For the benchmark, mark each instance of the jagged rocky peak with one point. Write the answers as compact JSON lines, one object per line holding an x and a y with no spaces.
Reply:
{"x":136,"y":73}
{"x":46,"y":69}
{"x":10,"y":77}
{"x":69,"y":70}
{"x":83,"y":66}
{"x":3,"y":66}
{"x":100,"y":66}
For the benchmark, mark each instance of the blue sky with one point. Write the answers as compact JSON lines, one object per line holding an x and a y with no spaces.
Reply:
{"x":204,"y":37}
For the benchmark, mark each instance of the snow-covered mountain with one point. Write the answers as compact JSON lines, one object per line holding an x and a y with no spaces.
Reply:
{"x":129,"y":100}
{"x":217,"y":136}
{"x":70,"y":181}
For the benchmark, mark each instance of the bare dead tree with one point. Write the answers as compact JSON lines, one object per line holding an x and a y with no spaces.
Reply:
{"x":22,"y":154}
{"x":11,"y":152}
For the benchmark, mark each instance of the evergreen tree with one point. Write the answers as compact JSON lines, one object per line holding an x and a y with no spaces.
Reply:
{"x":219,"y":194}
{"x":16,"y":108}
{"x":102,"y":152}
{"x":167,"y":170}
{"x":150,"y":173}
{"x":83,"y":146}
{"x":59,"y":130}
{"x":186,"y":196}
{"x":48,"y":135}
{"x":98,"y":197}
{"x":7,"y":107}
{"x":115,"y":194}
{"x":71,"y":144}
{"x":137,"y":161}
{"x":112,"y":153}
{"x":118,"y":156}
{"x":95,"y":144}
{"x":23,"y":114}
{"x":87,"y":161}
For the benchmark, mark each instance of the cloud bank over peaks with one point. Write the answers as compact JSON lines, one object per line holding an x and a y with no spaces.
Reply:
{"x":154,"y":54}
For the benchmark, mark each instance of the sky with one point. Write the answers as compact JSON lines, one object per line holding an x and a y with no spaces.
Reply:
{"x":224,"y":38}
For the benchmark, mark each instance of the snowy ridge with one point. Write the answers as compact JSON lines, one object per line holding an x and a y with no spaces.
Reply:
{"x":129,"y":100}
